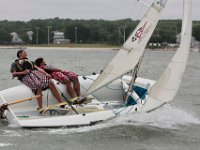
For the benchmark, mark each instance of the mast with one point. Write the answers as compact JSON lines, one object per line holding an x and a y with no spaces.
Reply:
{"x":132,"y":50}
{"x":134,"y":76}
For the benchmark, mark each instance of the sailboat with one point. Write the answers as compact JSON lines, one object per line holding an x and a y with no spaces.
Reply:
{"x":135,"y":95}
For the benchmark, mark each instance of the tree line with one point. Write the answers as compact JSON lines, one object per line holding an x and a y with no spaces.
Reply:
{"x":90,"y":31}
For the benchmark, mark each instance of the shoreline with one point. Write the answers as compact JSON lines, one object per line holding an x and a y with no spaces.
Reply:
{"x":61,"y":47}
{"x":80,"y":48}
{"x":87,"y":48}
{"x":73,"y":48}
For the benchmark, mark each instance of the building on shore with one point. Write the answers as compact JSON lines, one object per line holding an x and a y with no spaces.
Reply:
{"x":59,"y":38}
{"x":30,"y":35}
{"x":16,"y":39}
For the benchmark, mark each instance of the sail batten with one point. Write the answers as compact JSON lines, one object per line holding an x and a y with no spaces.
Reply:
{"x":132,"y":50}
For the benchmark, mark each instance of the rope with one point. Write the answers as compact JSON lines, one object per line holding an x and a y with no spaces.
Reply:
{"x":67,"y":100}
{"x":112,"y":88}
{"x":125,"y":107}
{"x":43,"y":110}
{"x":106,"y":104}
{"x":101,"y":102}
{"x":133,"y":8}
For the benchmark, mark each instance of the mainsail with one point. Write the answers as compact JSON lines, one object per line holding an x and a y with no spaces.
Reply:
{"x":166,"y":87}
{"x":128,"y":56}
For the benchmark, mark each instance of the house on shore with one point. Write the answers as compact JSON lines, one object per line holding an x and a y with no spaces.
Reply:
{"x":59,"y":38}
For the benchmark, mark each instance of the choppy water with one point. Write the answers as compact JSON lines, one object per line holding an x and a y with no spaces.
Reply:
{"x":176,"y":126}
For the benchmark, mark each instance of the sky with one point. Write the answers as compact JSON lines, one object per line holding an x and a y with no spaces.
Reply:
{"x":25,"y":10}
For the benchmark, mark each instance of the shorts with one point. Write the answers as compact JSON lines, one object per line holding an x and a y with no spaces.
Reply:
{"x":36,"y":80}
{"x":64,"y":75}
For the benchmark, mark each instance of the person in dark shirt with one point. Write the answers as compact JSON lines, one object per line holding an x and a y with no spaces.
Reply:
{"x":33,"y":77}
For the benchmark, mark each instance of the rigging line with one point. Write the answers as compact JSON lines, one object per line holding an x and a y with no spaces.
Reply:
{"x":139,"y":15}
{"x":85,"y":77}
{"x":133,"y":7}
{"x":67,"y":100}
{"x":117,"y":74}
{"x":134,"y":76}
{"x":139,"y":10}
{"x":138,"y":66}
{"x":118,"y":111}
{"x":106,"y":105}
{"x":145,"y":4}
{"x":107,"y":85}
{"x":101,"y":102}
{"x":112,"y":88}
{"x":130,"y":109}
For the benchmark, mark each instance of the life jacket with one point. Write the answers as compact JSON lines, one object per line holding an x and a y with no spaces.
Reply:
{"x":23,"y":64}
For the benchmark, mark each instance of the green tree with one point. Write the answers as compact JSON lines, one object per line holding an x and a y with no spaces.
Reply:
{"x":5,"y":37}
{"x":24,"y":37}
{"x":82,"y":33}
{"x":196,"y":32}
{"x":91,"y":31}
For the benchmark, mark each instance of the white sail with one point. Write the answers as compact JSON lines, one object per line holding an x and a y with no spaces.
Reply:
{"x":165,"y":89}
{"x":130,"y":53}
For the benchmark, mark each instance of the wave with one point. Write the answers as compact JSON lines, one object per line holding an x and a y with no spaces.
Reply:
{"x":166,"y":117}
{"x":11,"y":133}
{"x":5,"y":144}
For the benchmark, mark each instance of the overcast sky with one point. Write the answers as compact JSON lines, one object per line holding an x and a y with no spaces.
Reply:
{"x":26,"y":10}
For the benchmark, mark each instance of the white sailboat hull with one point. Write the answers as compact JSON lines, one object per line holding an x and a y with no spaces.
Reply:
{"x":73,"y":120}
{"x":26,"y":115}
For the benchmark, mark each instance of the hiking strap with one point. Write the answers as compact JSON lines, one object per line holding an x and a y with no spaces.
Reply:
{"x":44,"y":109}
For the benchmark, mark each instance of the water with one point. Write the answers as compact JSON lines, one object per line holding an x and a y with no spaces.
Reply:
{"x":175,"y":126}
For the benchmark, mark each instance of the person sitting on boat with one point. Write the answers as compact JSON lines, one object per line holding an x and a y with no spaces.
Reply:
{"x":33,"y":77}
{"x":65,"y":77}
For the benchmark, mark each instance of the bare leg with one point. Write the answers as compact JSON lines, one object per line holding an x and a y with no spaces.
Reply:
{"x":69,"y":88}
{"x":77,"y":87}
{"x":55,"y":92}
{"x":39,"y":99}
